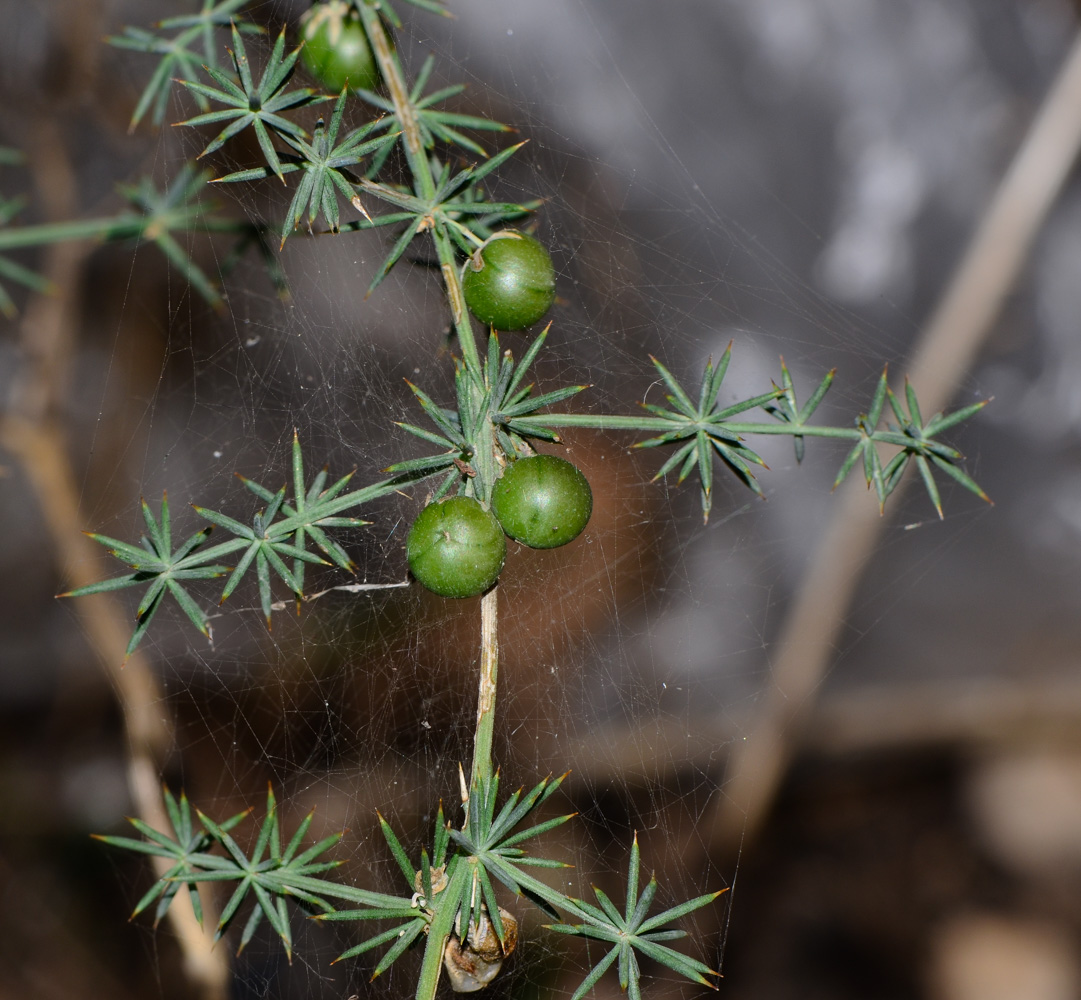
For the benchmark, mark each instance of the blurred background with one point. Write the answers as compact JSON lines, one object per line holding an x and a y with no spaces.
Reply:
{"x":893,"y":793}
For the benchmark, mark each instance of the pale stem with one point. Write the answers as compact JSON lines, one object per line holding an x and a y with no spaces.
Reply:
{"x":947,"y":347}
{"x":418,"y":162}
{"x":489,"y":669}
{"x":32,"y":433}
{"x":42,"y":453}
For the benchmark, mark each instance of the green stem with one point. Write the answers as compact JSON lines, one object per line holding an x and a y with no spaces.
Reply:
{"x":424,"y":183}
{"x":616,"y":423}
{"x":115,"y":228}
{"x":463,"y":326}
{"x":796,"y":430}
{"x":394,"y":78}
{"x":441,"y":927}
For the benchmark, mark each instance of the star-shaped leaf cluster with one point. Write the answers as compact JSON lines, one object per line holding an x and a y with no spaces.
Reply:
{"x":186,"y":844}
{"x":179,"y":208}
{"x":504,"y":401}
{"x":699,"y":430}
{"x":324,"y":162}
{"x":160,"y":214}
{"x":916,"y":441}
{"x":631,"y":932}
{"x":456,"y":199}
{"x":306,"y":514}
{"x":162,"y":570}
{"x":179,"y":61}
{"x":704,"y":429}
{"x":258,"y":105}
{"x":272,"y":539}
{"x":492,"y":839}
{"x":275,"y":543}
{"x":434,"y":123}
{"x":270,"y":874}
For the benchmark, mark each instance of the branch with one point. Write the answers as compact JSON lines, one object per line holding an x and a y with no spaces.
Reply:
{"x":31,"y":434}
{"x":943,"y":353}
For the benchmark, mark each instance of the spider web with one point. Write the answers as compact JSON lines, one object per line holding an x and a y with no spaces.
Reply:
{"x":709,"y":173}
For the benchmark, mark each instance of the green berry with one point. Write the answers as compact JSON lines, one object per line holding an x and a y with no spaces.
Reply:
{"x":542,"y":501}
{"x":336,"y":50}
{"x":456,"y":548}
{"x":509,"y":283}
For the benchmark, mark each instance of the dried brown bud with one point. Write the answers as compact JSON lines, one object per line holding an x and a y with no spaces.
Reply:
{"x":472,"y":966}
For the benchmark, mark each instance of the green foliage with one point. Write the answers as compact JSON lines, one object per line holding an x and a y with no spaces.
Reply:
{"x":324,"y":162}
{"x":180,"y":208}
{"x":154,"y":563}
{"x":178,"y":61}
{"x":159,"y":216}
{"x":699,"y":430}
{"x":272,"y":875}
{"x":183,"y":849}
{"x":479,"y":417}
{"x":277,"y":536}
{"x":434,"y":123}
{"x":258,"y":105}
{"x":454,"y":198}
{"x":632,"y":932}
{"x":452,"y":887}
{"x":496,"y":419}
{"x":917,"y":443}
{"x":492,"y":840}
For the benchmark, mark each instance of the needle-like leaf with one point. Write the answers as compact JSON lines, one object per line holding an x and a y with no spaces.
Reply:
{"x":258,"y":105}
{"x":629,"y":931}
{"x":178,"y":61}
{"x":156,"y":565}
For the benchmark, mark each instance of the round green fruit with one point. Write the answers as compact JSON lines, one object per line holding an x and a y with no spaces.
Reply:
{"x":456,"y":548}
{"x":542,"y":501}
{"x":336,"y":50}
{"x":509,"y":283}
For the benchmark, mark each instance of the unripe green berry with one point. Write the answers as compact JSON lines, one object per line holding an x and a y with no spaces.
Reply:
{"x":336,"y":49}
{"x":542,"y":501}
{"x":456,"y":548}
{"x":510,"y":282}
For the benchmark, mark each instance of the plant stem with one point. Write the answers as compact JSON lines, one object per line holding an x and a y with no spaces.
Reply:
{"x":394,"y":78}
{"x":31,"y":431}
{"x":489,"y":670}
{"x":125,"y":226}
{"x":463,"y":326}
{"x":601,"y":421}
{"x":441,"y":927}
{"x":954,"y":333}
